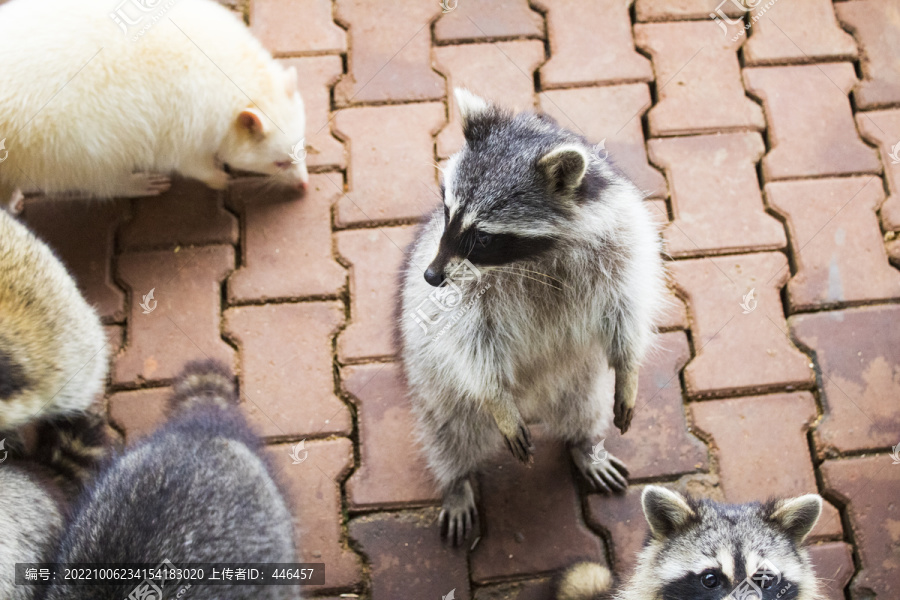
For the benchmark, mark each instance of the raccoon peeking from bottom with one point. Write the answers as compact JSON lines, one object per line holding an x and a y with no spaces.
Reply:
{"x":705,"y":550}
{"x":198,"y":490}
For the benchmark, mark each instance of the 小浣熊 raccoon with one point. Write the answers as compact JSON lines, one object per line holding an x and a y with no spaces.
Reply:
{"x":705,"y":550}
{"x":53,"y":351}
{"x":551,"y":279}
{"x":198,"y":490}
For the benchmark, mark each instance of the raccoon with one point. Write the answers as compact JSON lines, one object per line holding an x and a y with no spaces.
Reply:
{"x":53,"y":351}
{"x":700,"y":549}
{"x":551,"y":277}
{"x":198,"y":490}
{"x":37,"y":491}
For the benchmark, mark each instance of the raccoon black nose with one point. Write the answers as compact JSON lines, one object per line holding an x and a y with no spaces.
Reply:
{"x":434,"y":277}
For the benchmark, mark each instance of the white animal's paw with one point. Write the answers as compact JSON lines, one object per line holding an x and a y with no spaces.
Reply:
{"x":217,"y":180}
{"x":140,"y":185}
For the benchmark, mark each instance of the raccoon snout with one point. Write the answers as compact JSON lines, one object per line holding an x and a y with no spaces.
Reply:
{"x":434,"y":276}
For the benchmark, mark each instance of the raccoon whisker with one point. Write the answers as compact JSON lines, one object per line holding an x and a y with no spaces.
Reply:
{"x":520,"y":274}
{"x":550,"y":277}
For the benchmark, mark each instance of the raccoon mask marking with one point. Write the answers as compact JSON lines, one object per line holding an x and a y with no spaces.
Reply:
{"x":511,"y":190}
{"x":705,"y":550}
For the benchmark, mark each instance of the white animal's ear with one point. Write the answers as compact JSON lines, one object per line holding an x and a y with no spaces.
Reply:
{"x":290,"y":81}
{"x":565,"y":167}
{"x":666,"y":511}
{"x":797,"y":516}
{"x":469,"y":104}
{"x":252,"y":121}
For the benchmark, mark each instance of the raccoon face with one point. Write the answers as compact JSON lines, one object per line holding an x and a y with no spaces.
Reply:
{"x":511,"y":193}
{"x":702,"y":550}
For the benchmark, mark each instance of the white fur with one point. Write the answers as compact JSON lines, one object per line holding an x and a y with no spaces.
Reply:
{"x":82,"y":107}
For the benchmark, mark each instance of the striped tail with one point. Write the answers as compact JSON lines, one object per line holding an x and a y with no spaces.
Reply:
{"x":205,"y":382}
{"x":583,"y":581}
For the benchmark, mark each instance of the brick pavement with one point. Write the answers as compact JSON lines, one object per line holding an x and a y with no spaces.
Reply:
{"x":768,"y":157}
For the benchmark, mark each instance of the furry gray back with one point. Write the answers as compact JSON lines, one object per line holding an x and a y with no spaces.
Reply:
{"x":198,"y":490}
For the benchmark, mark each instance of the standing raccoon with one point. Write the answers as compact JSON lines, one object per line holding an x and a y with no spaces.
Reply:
{"x":53,"y":353}
{"x":564,"y":279}
{"x":704,"y":550}
{"x":198,"y":490}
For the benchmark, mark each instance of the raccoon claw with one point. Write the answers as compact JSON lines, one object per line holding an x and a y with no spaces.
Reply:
{"x":458,"y":514}
{"x":141,"y":185}
{"x":622,"y":416}
{"x":608,"y":475}
{"x":17,"y":202}
{"x":521,"y":446}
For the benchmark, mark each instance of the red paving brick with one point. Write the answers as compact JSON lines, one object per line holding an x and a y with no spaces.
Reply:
{"x":604,"y":26}
{"x":736,"y":352}
{"x":838,"y":251}
{"x":189,"y":213}
{"x":317,"y":74}
{"x":870,"y":486}
{"x":876,"y":27}
{"x":298,"y":296}
{"x":621,"y":515}
{"x":698,"y":80}
{"x":137,"y":413}
{"x":374,"y":257}
{"x":287,"y":378}
{"x":882,"y":128}
{"x":856,"y":351}
{"x":391,"y":46}
{"x":504,"y":70}
{"x":89,"y":254}
{"x":618,"y":126}
{"x":392,"y":173}
{"x":407,"y":558}
{"x":539,"y":589}
{"x":658,"y":443}
{"x":715,"y":195}
{"x":532,"y":515}
{"x":293,"y":26}
{"x":313,"y":492}
{"x":494,"y":20}
{"x":833,"y":563}
{"x":753,"y":435}
{"x":392,"y":469}
{"x":797,"y":31}
{"x":286,"y":248}
{"x":184,"y":325}
{"x":798,"y":100}
{"x":675,"y":10}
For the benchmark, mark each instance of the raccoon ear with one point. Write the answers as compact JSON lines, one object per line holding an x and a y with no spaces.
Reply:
{"x":797,"y":516}
{"x":251,"y":120}
{"x":666,"y":511}
{"x":470,"y":106}
{"x":565,"y":167}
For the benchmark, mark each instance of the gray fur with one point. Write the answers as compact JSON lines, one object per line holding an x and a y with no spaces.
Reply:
{"x":691,"y":537}
{"x":36,"y":491}
{"x":198,"y":490}
{"x":555,"y":328}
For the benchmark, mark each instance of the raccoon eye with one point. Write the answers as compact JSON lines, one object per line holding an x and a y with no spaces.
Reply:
{"x":709,"y":579}
{"x":483,"y":239}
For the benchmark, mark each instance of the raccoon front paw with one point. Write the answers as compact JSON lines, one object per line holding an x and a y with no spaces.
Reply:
{"x":607,"y":474}
{"x":141,"y":185}
{"x":520,"y":444}
{"x":458,"y":514}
